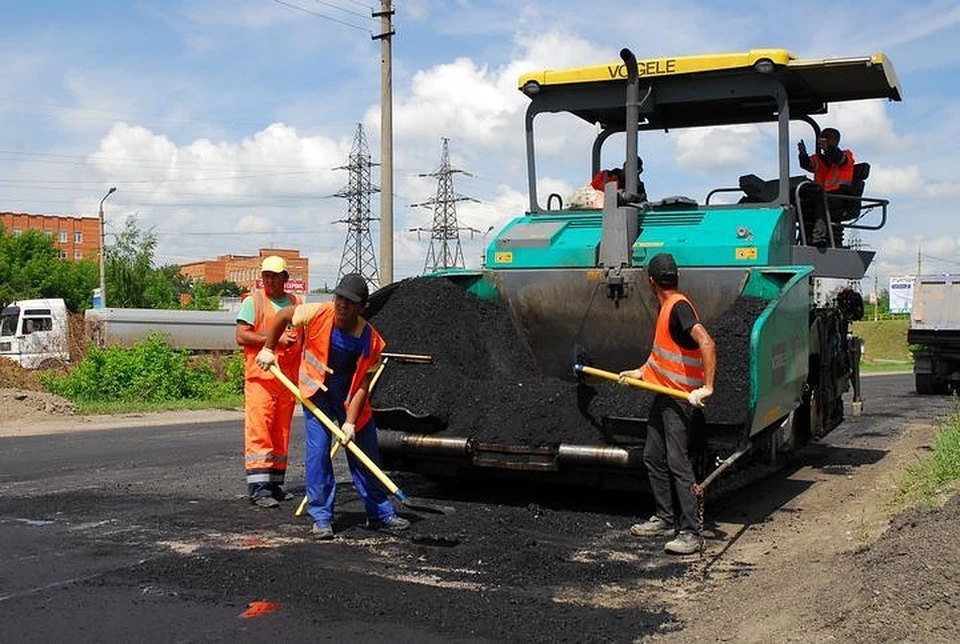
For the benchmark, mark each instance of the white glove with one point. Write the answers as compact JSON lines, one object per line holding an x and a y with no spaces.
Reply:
{"x":629,"y":373}
{"x":266,"y":358}
{"x":698,"y":397}
{"x":349,"y":432}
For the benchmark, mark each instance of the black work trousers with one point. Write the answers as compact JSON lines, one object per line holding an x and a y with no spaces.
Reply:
{"x":668,"y":464}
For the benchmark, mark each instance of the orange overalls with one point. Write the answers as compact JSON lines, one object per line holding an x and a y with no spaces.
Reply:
{"x":268,"y":407}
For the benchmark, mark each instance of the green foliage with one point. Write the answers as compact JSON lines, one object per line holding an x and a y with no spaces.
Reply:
{"x":150,"y":371}
{"x":30,"y":267}
{"x":233,"y":380}
{"x":927,"y":480}
{"x":132,"y":281}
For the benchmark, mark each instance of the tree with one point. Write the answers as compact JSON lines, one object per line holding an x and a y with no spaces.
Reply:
{"x":132,"y":281}
{"x":30,"y":267}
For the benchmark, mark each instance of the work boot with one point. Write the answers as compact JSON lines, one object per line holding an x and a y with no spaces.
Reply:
{"x":321,"y":532}
{"x":265,"y":501}
{"x":281,"y":495}
{"x":392,"y":523}
{"x":685,"y":543}
{"x":652,"y":526}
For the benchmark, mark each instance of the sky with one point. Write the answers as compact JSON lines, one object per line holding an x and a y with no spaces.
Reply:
{"x":221,"y":122}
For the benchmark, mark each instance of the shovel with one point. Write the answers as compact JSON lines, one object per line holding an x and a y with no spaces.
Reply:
{"x":358,"y":453}
{"x":633,"y":382}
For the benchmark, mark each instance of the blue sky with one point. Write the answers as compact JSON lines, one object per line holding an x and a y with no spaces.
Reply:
{"x":220,"y":121}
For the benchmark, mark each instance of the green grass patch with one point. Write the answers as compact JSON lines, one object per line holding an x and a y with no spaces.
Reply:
{"x":92,"y":407}
{"x":886,"y":367}
{"x":929,"y":479}
{"x":883,"y":340}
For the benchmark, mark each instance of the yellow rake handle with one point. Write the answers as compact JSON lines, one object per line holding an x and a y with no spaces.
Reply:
{"x":633,"y":382}
{"x":332,"y":427}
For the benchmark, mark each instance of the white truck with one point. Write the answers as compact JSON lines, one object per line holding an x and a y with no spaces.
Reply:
{"x":34,"y":332}
{"x":934,"y":333}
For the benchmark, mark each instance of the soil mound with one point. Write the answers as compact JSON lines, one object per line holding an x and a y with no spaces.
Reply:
{"x":17,"y":404}
{"x":484,"y":384}
{"x":13,"y":376}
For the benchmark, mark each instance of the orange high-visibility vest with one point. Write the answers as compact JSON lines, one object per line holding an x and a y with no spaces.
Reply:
{"x":830,"y":176}
{"x":670,"y":364}
{"x":288,"y":357}
{"x":316,"y":353}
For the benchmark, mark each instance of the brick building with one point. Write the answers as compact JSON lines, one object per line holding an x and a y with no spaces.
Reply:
{"x":245,"y":269}
{"x":75,"y":237}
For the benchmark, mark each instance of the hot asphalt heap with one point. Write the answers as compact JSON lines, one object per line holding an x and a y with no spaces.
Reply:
{"x":484,"y":384}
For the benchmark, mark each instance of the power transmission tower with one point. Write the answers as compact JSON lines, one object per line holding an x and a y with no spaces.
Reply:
{"x":358,"y":252}
{"x":445,"y":250}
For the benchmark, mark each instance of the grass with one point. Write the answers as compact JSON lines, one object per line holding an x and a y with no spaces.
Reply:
{"x":886,"y":367}
{"x":234,"y":401}
{"x":884,"y":340}
{"x":927,"y":481}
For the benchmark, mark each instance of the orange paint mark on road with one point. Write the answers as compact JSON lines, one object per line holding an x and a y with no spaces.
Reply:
{"x":259,"y":607}
{"x":254,"y":542}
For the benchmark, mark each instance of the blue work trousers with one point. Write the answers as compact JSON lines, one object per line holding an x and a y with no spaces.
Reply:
{"x":321,"y":483}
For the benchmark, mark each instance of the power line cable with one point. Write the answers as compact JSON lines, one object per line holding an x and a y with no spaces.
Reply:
{"x":322,"y":15}
{"x":350,"y":11}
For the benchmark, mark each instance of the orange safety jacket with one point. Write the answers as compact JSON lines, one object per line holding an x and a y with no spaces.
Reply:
{"x":830,"y":176}
{"x":316,"y":353}
{"x":670,"y":365}
{"x":288,"y":357}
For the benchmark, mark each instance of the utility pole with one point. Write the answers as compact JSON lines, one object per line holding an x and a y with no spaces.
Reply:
{"x":386,"y":139}
{"x":103,"y":251}
{"x":445,"y":250}
{"x":358,"y":252}
{"x":919,"y":261}
{"x":876,"y":298}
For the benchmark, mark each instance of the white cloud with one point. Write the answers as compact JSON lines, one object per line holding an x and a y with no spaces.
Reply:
{"x":865,"y":126}
{"x":908,"y":181}
{"x":717,"y":147}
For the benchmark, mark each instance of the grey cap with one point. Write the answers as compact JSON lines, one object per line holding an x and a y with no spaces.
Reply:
{"x":353,"y":287}
{"x":662,"y":265}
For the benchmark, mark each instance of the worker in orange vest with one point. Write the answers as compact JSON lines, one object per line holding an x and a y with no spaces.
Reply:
{"x":341,"y":353}
{"x":268,"y":405}
{"x":683,"y":357}
{"x":832,"y":170}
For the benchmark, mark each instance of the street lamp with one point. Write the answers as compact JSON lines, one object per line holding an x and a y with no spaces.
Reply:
{"x":103,"y":273}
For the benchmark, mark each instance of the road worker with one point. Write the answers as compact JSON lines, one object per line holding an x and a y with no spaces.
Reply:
{"x":268,"y":405}
{"x":683,"y":357}
{"x":340,"y":354}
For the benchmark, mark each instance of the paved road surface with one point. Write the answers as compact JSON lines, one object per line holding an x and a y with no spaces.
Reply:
{"x":142,"y":534}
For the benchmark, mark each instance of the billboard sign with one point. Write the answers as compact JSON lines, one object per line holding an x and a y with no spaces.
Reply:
{"x":293,"y":285}
{"x":901,"y":294}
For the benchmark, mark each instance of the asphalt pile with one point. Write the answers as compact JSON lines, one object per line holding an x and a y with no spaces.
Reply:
{"x":483,"y":382}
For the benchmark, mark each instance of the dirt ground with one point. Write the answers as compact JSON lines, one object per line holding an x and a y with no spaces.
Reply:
{"x":19,"y":404}
{"x":838,"y":562}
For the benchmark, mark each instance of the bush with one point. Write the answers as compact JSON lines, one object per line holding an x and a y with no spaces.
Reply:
{"x":150,"y":371}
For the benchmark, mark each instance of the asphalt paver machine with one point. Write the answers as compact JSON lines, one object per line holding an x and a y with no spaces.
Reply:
{"x":576,"y":276}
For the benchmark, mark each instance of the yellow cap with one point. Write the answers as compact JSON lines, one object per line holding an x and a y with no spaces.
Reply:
{"x":273,"y":264}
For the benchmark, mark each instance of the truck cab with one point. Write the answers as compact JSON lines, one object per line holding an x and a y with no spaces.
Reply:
{"x":34,"y":332}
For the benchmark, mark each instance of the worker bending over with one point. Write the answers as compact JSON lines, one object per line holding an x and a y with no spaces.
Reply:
{"x":267,"y":405}
{"x":683,"y":357}
{"x":341,"y":352}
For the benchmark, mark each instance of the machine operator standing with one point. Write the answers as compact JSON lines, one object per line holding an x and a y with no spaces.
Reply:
{"x":683,"y":357}
{"x":267,"y":405}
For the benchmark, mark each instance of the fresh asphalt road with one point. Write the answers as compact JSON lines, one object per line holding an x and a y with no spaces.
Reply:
{"x":142,"y":534}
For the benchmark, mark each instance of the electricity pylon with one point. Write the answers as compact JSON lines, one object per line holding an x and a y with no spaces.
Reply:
{"x":445,"y":250}
{"x":358,"y":252}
